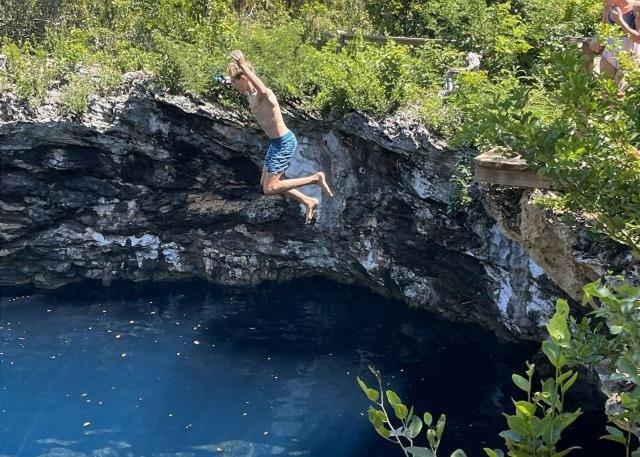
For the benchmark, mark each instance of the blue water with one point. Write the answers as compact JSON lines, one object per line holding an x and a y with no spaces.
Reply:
{"x":196,"y":370}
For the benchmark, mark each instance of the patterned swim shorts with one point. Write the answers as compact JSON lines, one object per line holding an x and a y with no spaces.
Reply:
{"x":280,"y":153}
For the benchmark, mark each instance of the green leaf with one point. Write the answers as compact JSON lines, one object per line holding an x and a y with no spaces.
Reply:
{"x":493,"y":452}
{"x":526,"y":409}
{"x":510,"y":435}
{"x":567,"y":419}
{"x":564,"y":376}
{"x":440,"y":426}
{"x":362,"y":385}
{"x":518,"y":425}
{"x":558,"y":328}
{"x":540,"y":427}
{"x":614,"y":431}
{"x":566,"y":451}
{"x":458,"y":453}
{"x":552,"y":351}
{"x":382,"y":431}
{"x":393,"y":398}
{"x":415,"y":426}
{"x":567,"y":385}
{"x":420,"y":451}
{"x":376,"y":417}
{"x":617,"y":439}
{"x":428,"y":419}
{"x":562,"y":307}
{"x":401,"y":411}
{"x":589,"y":291}
{"x":521,"y":382}
{"x":371,"y":394}
{"x":616,"y":329}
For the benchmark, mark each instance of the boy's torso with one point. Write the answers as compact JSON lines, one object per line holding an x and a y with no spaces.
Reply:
{"x":267,"y":112}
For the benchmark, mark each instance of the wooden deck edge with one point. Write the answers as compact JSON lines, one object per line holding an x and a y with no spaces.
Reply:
{"x":513,"y":178}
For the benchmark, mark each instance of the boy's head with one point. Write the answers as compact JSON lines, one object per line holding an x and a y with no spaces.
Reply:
{"x":238,"y":78}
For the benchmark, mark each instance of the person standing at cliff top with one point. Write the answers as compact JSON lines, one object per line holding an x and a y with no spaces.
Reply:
{"x":282,"y":142}
{"x":626,"y":14}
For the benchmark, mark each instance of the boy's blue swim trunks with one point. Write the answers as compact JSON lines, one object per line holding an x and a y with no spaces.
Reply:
{"x":280,"y":152}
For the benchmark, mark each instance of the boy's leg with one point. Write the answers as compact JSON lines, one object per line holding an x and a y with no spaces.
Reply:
{"x":310,"y":204}
{"x":263,"y":176}
{"x":274,"y":185}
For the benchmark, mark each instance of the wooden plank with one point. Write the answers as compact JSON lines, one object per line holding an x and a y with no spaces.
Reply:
{"x":411,"y":41}
{"x":499,"y":166}
{"x":513,"y":178}
{"x":419,"y":41}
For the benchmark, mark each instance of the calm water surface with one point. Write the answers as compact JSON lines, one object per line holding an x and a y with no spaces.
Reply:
{"x":196,"y":370}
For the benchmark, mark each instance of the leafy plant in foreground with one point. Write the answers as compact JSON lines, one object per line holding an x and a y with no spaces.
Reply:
{"x":614,"y":349}
{"x":537,"y":424}
{"x":410,"y":424}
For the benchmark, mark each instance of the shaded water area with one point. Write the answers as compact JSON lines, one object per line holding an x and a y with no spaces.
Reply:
{"x":192,"y":369}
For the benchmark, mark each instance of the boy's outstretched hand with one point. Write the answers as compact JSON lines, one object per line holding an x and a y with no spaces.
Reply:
{"x":238,"y":56}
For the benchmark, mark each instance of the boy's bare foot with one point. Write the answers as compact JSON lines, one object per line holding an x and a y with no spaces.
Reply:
{"x":310,"y":210}
{"x":322,"y":182}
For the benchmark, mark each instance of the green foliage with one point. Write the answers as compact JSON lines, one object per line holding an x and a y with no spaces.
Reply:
{"x":366,"y":78}
{"x":578,"y":131}
{"x":29,"y":71}
{"x":610,"y":337}
{"x":410,"y":425}
{"x":74,"y":96}
{"x":470,"y":25}
{"x":20,"y":19}
{"x":462,"y":179}
{"x":537,"y":424}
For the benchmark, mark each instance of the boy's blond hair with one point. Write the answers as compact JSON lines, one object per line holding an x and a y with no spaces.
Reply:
{"x":235,"y":71}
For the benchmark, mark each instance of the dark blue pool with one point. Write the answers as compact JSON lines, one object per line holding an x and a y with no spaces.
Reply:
{"x":195,"y":370}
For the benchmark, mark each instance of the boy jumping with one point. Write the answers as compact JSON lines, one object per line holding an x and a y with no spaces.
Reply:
{"x":282,"y":142}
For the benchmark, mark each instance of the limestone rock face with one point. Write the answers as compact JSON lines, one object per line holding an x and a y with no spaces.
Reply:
{"x":567,"y":255}
{"x":149,"y":186}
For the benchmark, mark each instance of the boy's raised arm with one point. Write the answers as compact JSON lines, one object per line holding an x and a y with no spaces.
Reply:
{"x":238,"y":56}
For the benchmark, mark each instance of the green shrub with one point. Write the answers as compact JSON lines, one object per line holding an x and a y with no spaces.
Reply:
{"x":609,"y":339}
{"x":536,"y":427}
{"x":581,"y":135}
{"x":29,"y":71}
{"x":74,"y":96}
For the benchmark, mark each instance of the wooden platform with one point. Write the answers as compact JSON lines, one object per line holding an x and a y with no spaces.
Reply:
{"x":498,"y":166}
{"x":411,"y":41}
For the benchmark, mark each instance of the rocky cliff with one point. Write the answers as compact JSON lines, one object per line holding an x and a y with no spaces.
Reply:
{"x":149,"y":186}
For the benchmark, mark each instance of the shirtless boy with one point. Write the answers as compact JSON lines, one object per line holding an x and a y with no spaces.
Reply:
{"x":282,"y":142}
